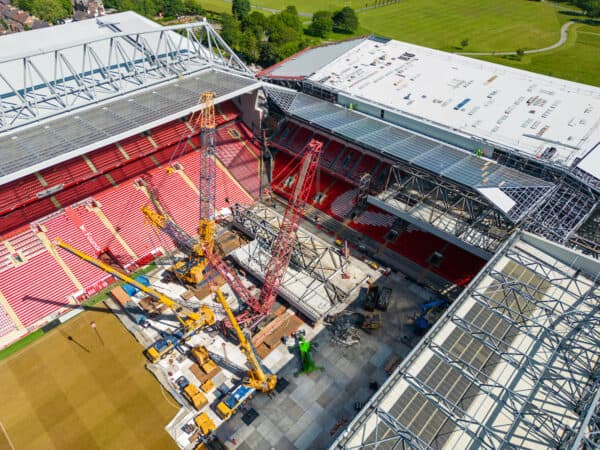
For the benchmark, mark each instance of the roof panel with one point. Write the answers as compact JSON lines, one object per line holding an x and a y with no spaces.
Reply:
{"x":30,"y":149}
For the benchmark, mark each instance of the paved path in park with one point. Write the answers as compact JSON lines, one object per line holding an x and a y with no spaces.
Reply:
{"x":560,"y":42}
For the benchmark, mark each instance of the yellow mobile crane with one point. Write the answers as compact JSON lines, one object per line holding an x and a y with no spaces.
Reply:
{"x":191,"y":270}
{"x":257,"y":378}
{"x":190,"y":321}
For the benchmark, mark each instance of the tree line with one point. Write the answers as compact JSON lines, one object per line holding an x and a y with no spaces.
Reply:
{"x":269,"y":39}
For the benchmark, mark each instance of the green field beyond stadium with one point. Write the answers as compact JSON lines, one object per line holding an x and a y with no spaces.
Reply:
{"x":487,"y":26}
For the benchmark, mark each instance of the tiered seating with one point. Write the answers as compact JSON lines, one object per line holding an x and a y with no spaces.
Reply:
{"x":137,"y":146}
{"x":128,"y":171}
{"x":330,"y":153}
{"x":323,"y":182}
{"x":62,"y":226}
{"x":106,"y":158}
{"x":226,"y":112}
{"x":120,"y":204}
{"x":239,"y":157}
{"x":373,"y":217}
{"x":343,"y":204}
{"x":17,"y":193}
{"x":177,"y":197}
{"x":69,"y":172}
{"x":380,"y":176}
{"x":300,"y":139}
{"x":365,"y":164}
{"x":122,"y":207}
{"x":346,"y":160}
{"x":23,"y":216}
{"x":283,"y":167}
{"x":170,"y":133}
{"x":286,"y":133}
{"x":102,"y":236}
{"x":228,"y":192}
{"x":82,"y":191}
{"x":6,"y":324}
{"x":27,"y":288}
{"x":419,"y":246}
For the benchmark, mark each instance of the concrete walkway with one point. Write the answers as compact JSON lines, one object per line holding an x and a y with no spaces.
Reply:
{"x":561,"y":41}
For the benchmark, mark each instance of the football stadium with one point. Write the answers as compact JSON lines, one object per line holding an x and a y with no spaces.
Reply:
{"x":370,"y":244}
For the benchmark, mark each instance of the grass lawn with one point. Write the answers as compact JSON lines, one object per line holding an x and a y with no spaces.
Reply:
{"x":489,"y":25}
{"x":304,"y":6}
{"x":84,"y":393}
{"x":578,"y":60}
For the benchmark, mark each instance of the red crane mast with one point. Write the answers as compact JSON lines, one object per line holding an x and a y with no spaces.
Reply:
{"x":286,"y":237}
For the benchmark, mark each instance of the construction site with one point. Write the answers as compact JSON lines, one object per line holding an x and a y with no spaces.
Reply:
{"x":305,"y":260}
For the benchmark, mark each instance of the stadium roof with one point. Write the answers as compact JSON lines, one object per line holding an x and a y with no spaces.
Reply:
{"x":513,"y":363}
{"x":51,"y":71}
{"x":70,"y":89}
{"x":34,"y":148}
{"x":511,"y":191}
{"x":308,"y":61}
{"x":543,"y":117}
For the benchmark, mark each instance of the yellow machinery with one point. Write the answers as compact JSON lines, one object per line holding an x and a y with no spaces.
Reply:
{"x":190,"y":320}
{"x":205,"y":424}
{"x":194,"y":396}
{"x":191,"y":270}
{"x":257,"y":378}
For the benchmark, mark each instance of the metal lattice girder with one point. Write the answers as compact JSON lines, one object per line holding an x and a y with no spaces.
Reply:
{"x":500,"y":393}
{"x":518,"y":360}
{"x":106,"y":67}
{"x":394,"y":434}
{"x":484,"y":436}
{"x":310,"y":255}
{"x":451,"y":208}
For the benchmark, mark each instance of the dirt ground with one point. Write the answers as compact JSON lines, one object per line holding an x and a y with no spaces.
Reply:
{"x":76,"y":388}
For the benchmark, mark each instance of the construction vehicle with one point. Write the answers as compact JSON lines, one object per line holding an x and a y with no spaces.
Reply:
{"x":191,"y":270}
{"x":202,"y":357}
{"x":163,"y":346}
{"x":205,"y":424}
{"x":195,"y":396}
{"x":191,"y":321}
{"x":430,"y":312}
{"x":256,"y":377}
{"x":377,"y":298}
{"x":287,"y":235}
{"x":233,"y":400}
{"x":191,"y":393}
{"x":372,"y":321}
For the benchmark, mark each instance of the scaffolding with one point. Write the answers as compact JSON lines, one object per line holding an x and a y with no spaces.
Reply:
{"x":513,"y":363}
{"x":309,"y":254}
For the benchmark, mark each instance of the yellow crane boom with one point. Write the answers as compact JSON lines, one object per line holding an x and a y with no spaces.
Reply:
{"x":257,"y":378}
{"x":189,"y":320}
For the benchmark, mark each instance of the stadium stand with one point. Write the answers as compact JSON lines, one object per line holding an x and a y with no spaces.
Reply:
{"x":18,"y":193}
{"x":106,"y":158}
{"x":62,"y":225}
{"x":236,"y":152}
{"x":18,"y":282}
{"x":135,"y":146}
{"x":226,"y":112}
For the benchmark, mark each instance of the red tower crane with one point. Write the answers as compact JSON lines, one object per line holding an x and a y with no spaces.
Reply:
{"x":286,"y":237}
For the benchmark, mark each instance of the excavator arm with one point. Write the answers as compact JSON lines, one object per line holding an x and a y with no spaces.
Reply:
{"x":189,"y":320}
